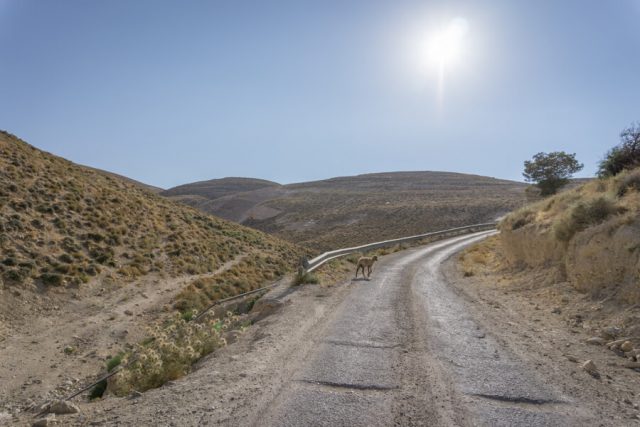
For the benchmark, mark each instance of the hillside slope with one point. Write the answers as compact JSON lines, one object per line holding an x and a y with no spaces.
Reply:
{"x":589,"y":236}
{"x":89,"y":262}
{"x":63,"y":224}
{"x":568,"y":267}
{"x":576,"y":255}
{"x":357,"y":209}
{"x":147,"y":187}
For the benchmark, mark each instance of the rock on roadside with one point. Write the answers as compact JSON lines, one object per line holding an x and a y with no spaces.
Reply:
{"x":49,"y":420}
{"x":61,"y":407}
{"x":591,"y":368}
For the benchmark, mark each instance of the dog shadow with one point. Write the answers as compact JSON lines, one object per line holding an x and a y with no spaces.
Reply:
{"x":360,"y":279}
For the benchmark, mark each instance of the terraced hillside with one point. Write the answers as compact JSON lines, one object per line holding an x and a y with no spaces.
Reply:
{"x":357,"y":209}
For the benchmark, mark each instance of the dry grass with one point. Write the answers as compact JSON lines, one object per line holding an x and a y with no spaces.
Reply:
{"x":62,"y":225}
{"x":583,"y":215}
{"x":481,"y":257}
{"x":588,"y":236}
{"x":250,"y":274}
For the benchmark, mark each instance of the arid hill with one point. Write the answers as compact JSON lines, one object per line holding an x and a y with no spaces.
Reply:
{"x":215,"y":188}
{"x":90,"y":261}
{"x":63,"y":225}
{"x":147,"y":187}
{"x":357,"y":209}
{"x":588,"y":236}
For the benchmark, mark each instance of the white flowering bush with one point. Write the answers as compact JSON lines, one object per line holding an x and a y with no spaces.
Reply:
{"x":169,"y":352}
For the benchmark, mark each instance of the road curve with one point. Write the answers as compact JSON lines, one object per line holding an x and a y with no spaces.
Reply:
{"x":402,"y":349}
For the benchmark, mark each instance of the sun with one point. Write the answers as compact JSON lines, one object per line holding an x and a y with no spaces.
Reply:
{"x":445,"y":47}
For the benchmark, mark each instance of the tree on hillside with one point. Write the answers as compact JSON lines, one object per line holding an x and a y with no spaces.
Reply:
{"x":551,"y":171}
{"x":625,"y":155}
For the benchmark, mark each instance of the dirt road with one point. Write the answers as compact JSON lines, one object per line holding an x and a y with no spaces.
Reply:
{"x":404,"y":348}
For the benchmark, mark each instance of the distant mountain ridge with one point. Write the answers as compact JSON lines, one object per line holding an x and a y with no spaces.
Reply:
{"x":214,"y":188}
{"x":357,"y":209}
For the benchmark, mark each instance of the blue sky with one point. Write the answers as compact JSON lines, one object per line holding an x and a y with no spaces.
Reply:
{"x":169,"y":92}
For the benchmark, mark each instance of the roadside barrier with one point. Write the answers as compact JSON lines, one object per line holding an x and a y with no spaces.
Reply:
{"x":328,"y":256}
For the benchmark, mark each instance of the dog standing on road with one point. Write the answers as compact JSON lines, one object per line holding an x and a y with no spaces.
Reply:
{"x":368,"y":262}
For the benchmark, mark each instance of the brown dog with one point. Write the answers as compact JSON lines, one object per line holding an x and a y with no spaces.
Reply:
{"x":368,"y":262}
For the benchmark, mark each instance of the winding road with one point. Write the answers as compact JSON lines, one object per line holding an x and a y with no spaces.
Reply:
{"x":403,"y":349}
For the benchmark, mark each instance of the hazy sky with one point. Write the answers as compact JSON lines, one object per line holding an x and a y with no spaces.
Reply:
{"x":169,"y":92}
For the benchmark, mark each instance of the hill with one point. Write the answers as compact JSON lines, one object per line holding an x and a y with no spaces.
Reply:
{"x":215,"y":188}
{"x":589,"y":235}
{"x":575,"y":254}
{"x":89,"y":261}
{"x":64,"y":224}
{"x":357,"y":209}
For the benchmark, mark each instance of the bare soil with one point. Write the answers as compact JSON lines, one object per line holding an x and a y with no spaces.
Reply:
{"x":94,"y":325}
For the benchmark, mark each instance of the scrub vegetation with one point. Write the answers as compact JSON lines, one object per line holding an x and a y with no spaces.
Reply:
{"x":63,"y":225}
{"x":588,"y":237}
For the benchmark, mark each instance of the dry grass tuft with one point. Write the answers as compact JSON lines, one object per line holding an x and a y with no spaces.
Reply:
{"x":583,"y":215}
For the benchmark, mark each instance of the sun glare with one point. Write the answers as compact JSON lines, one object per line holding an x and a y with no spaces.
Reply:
{"x":440,"y":51}
{"x":445,"y":47}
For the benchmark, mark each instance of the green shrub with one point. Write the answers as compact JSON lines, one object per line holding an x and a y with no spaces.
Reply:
{"x":66,"y":258}
{"x":14,"y":275}
{"x":9,"y":262}
{"x":52,"y":279}
{"x":189,"y":314}
{"x":305,"y":278}
{"x":98,"y":390}
{"x":114,"y":362}
{"x":625,"y":155}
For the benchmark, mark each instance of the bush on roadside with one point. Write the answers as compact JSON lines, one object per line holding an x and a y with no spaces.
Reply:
{"x":305,"y":278}
{"x":169,"y":352}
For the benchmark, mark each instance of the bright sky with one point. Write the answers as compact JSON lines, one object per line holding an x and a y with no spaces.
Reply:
{"x":169,"y":92}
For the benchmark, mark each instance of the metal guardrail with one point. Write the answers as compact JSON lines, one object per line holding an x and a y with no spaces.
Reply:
{"x":328,"y":256}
